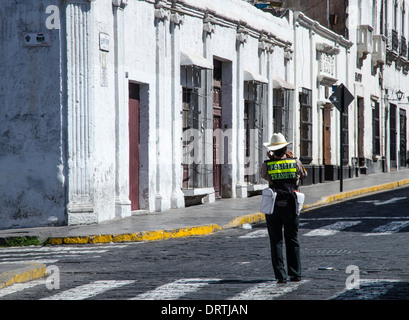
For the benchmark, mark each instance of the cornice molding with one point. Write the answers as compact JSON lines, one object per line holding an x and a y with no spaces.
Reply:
{"x":302,"y":20}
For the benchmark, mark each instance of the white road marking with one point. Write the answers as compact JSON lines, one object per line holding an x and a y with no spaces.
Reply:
{"x":332,"y":228}
{"x":57,"y":249}
{"x":20,"y":287}
{"x":382,"y":203}
{"x":255,"y":234}
{"x":267,"y":291}
{"x":261,"y":233}
{"x":49,"y":254}
{"x":89,"y":290}
{"x":355,"y":218}
{"x":33,"y":255}
{"x":388,"y":228}
{"x":175,"y":290}
{"x":45,"y":261}
{"x":369,"y":289}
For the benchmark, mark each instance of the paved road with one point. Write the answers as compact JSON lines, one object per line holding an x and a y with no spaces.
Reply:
{"x":353,"y":250}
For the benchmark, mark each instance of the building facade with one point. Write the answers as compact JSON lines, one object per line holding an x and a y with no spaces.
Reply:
{"x":377,"y":77}
{"x":112,"y":108}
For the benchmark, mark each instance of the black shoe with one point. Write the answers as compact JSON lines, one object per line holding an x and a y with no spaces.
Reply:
{"x":295,"y":279}
{"x":282,"y":281}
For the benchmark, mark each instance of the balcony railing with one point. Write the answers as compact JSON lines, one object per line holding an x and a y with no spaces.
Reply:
{"x":395,"y":41}
{"x":364,"y":40}
{"x":379,"y":50}
{"x":403,"y":47}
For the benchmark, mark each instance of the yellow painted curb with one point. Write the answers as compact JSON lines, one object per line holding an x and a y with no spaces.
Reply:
{"x":139,"y":236}
{"x":30,"y":272}
{"x":248,"y":218}
{"x":201,"y":230}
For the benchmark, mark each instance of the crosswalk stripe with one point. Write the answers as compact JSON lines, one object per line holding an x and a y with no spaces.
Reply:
{"x":267,"y":291}
{"x":332,"y":228}
{"x":45,"y":261}
{"x":89,"y":290}
{"x":50,"y":254}
{"x":255,"y":234}
{"x":33,"y":254}
{"x":388,"y":228}
{"x":58,"y":249}
{"x":20,"y":287}
{"x":369,"y":289}
{"x":175,"y":290}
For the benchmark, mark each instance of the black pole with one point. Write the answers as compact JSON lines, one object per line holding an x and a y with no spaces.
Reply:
{"x":341,"y":172}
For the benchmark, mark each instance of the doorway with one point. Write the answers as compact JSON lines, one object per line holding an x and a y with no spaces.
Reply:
{"x":326,"y":136}
{"x":402,"y":138}
{"x":217,"y":118}
{"x":134,"y":140}
{"x":392,"y":133}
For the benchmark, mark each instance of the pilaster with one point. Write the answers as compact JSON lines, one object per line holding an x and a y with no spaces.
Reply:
{"x":80,"y":207}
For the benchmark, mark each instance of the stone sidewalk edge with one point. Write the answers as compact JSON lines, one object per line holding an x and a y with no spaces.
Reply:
{"x":207,"y":229}
{"x":30,"y":271}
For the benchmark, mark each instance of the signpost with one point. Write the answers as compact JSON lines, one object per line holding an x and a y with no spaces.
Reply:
{"x":341,"y":98}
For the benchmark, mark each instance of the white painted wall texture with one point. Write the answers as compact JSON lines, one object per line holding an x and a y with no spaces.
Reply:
{"x":32,"y":144}
{"x":64,"y":139}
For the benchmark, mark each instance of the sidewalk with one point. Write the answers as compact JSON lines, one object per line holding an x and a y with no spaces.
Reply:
{"x":195,"y":220}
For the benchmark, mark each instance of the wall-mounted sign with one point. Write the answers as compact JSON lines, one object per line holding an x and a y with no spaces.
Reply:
{"x":36,"y":39}
{"x":103,"y":41}
{"x":104,"y":69}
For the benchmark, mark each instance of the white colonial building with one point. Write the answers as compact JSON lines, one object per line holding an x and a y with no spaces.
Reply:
{"x":115,"y":107}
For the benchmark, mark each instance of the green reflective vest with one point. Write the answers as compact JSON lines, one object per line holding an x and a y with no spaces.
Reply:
{"x":282,"y":170}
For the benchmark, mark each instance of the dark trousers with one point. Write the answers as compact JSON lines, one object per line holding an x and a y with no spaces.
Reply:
{"x":284,"y":217}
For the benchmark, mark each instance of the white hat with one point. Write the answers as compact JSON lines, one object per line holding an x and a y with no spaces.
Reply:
{"x":277,"y":142}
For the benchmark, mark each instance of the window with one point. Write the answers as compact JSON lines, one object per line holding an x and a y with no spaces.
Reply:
{"x":306,"y":126}
{"x":187,"y":123}
{"x":255,"y":111}
{"x":403,"y":20}
{"x":281,"y":111}
{"x":392,"y":133}
{"x":402,"y":139}
{"x":345,"y":137}
{"x":376,"y":129}
{"x":193,"y":95}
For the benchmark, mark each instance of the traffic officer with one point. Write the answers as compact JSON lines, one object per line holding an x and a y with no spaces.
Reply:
{"x":283,"y":172}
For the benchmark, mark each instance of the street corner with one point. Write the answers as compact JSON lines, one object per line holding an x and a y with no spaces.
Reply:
{"x":21,"y":272}
{"x":248,"y":218}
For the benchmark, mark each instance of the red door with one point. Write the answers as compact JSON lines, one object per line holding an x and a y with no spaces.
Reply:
{"x":134,"y":146}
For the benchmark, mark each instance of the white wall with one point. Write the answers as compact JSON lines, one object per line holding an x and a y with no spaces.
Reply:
{"x":31,"y":129}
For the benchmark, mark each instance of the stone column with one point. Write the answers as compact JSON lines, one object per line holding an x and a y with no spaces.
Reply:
{"x":80,"y":113}
{"x":241,"y":186}
{"x":162,"y":201}
{"x":177,"y":196}
{"x":122,"y":202}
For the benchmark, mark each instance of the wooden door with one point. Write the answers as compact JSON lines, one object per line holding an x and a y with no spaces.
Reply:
{"x":326,"y":136}
{"x":392,"y":132}
{"x":361,"y":135}
{"x":402,"y":137}
{"x":134,"y":146}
